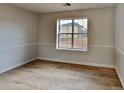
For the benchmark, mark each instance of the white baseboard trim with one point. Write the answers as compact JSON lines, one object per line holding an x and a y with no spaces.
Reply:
{"x":119,"y":75}
{"x":77,"y":62}
{"x":17,"y":65}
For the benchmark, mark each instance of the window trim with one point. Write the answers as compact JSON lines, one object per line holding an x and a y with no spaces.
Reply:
{"x":58,"y":32}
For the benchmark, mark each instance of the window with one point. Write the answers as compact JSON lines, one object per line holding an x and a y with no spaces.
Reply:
{"x":72,"y":34}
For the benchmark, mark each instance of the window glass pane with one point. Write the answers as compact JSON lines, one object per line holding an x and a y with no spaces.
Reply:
{"x":65,"y":26}
{"x":85,"y":41}
{"x":65,"y":40}
{"x":80,"y":41}
{"x":80,"y":25}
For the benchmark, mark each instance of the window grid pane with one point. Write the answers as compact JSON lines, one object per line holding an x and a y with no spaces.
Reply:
{"x":65,"y":40}
{"x":80,"y":41}
{"x":65,"y":26}
{"x":72,"y":33}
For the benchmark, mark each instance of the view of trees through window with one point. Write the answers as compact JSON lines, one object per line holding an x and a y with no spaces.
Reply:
{"x":72,"y":33}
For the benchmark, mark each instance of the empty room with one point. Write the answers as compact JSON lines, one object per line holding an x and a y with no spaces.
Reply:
{"x":61,"y":46}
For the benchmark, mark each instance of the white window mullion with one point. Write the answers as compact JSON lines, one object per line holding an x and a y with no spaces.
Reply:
{"x":72,"y":33}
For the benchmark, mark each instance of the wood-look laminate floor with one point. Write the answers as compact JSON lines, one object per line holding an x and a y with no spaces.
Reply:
{"x":49,"y":75}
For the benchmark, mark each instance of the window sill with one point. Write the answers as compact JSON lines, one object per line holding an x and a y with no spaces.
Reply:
{"x":80,"y":50}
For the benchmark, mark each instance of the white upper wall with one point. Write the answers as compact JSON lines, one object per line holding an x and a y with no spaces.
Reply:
{"x":100,"y":22}
{"x":17,"y":26}
{"x":119,"y":40}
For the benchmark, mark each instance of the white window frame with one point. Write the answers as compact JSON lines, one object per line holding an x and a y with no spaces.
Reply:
{"x":58,"y":30}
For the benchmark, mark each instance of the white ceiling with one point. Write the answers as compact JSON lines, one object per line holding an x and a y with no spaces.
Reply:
{"x":58,"y":7}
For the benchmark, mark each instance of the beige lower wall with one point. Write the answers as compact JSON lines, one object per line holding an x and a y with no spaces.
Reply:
{"x":100,"y":38}
{"x":18,"y":36}
{"x":120,"y":64}
{"x":96,"y":56}
{"x":16,"y":56}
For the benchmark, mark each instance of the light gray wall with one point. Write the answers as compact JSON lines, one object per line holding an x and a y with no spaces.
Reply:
{"x":100,"y":35}
{"x":119,"y":41}
{"x":18,"y":36}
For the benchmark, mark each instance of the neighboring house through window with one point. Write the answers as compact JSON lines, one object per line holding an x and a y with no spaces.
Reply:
{"x":72,"y":34}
